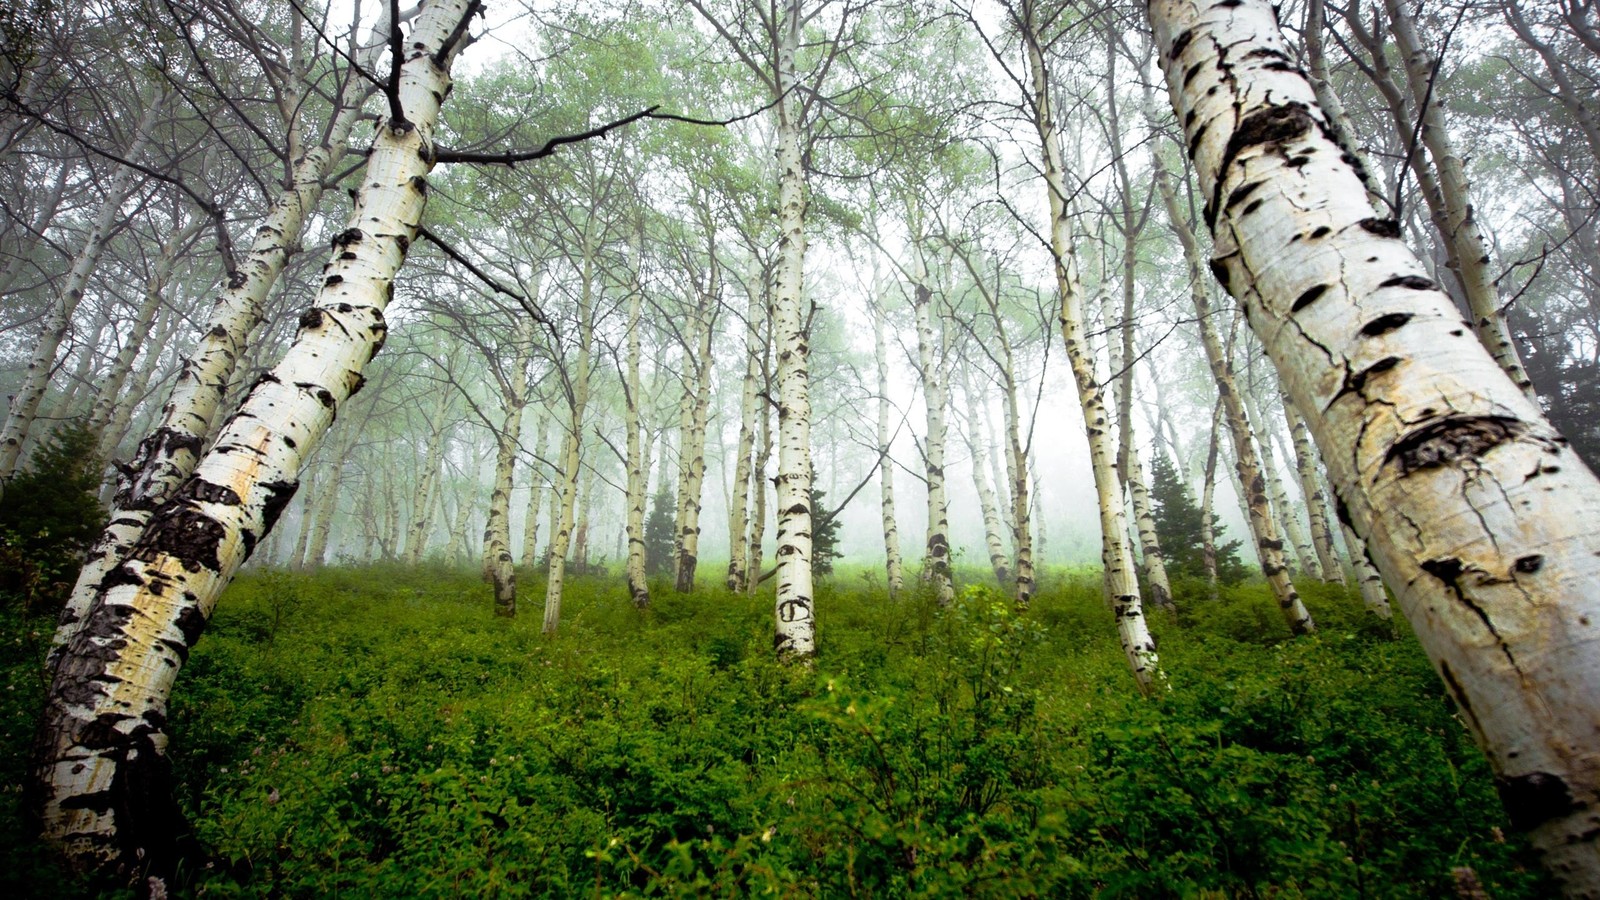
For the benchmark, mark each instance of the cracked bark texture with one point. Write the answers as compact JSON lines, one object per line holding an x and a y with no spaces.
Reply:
{"x":101,"y":779}
{"x":1122,"y":585}
{"x":1473,"y":507}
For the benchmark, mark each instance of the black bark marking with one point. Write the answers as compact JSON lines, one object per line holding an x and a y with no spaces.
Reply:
{"x":1456,"y":693}
{"x":1529,"y":564}
{"x":1414,"y":282}
{"x":1181,"y":42}
{"x":1321,"y":231}
{"x":1443,"y":441}
{"x":206,"y":492}
{"x":1385,"y":324}
{"x":1534,"y":799}
{"x":186,"y":534}
{"x":1308,"y":297}
{"x":1384,"y":228}
{"x":1268,"y":126}
{"x":332,"y":280}
{"x":1239,"y":194}
{"x":311,"y":318}
{"x":1221,"y":274}
{"x":347,"y":237}
{"x":1358,"y":382}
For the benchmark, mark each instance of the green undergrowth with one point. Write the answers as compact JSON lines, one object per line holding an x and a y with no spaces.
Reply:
{"x":377,"y":732}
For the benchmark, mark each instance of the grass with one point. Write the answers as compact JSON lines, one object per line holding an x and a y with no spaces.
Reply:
{"x":377,"y":732}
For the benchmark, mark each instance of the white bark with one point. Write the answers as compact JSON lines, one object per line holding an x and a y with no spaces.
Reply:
{"x":1282,"y":509}
{"x":638,"y":467}
{"x":692,"y":443}
{"x":1306,"y":462}
{"x":1373,"y":593}
{"x":930,"y":362}
{"x":530,"y":525}
{"x":795,"y":632}
{"x":498,"y":565}
{"x":1121,"y":583}
{"x":102,"y":774}
{"x":739,"y":507}
{"x":1473,"y":507}
{"x":893,"y":570}
{"x":565,"y":501}
{"x":169,"y":454}
{"x":999,"y":561}
{"x":428,"y":483}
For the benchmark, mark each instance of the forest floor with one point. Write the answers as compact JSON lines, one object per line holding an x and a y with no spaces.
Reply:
{"x":377,"y":732}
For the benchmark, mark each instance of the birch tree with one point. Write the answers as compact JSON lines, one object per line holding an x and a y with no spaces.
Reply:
{"x":102,"y":774}
{"x":1474,"y":508}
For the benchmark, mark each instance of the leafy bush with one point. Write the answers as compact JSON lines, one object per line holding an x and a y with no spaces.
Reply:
{"x":376,"y":732}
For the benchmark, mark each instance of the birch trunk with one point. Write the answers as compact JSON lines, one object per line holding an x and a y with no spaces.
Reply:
{"x":638,"y":468}
{"x":327,"y":506}
{"x":1468,"y":248}
{"x":498,"y":565}
{"x":1373,"y":593}
{"x":67,"y":405}
{"x":102,"y":775}
{"x":739,"y":507}
{"x":693,"y":449}
{"x":794,"y":634}
{"x":530,"y":526}
{"x":456,"y":546}
{"x":1208,"y":494}
{"x":110,"y":390}
{"x":1282,"y":508}
{"x":999,"y":561}
{"x":1253,"y":493}
{"x":1473,"y":506}
{"x":936,"y":553}
{"x":1122,"y":351}
{"x":893,"y":570}
{"x":1121,"y":583}
{"x":169,"y":454}
{"x":308,"y":502}
{"x":428,"y":484}
{"x":571,"y":451}
{"x":580,"y":534}
{"x":758,"y":487}
{"x":1306,"y":460}
{"x":36,"y":380}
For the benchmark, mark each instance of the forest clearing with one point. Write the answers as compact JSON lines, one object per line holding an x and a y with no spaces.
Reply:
{"x":1015,"y":448}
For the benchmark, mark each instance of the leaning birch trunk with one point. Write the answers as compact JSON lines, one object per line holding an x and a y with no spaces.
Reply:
{"x":638,"y":468}
{"x":1373,"y":593}
{"x":168,"y":455}
{"x":936,"y":554}
{"x":103,"y":778}
{"x":1122,"y":351}
{"x":428,"y":484}
{"x":122,"y":411}
{"x":999,"y":561}
{"x":530,"y":526}
{"x":1474,"y":508}
{"x":1253,"y":486}
{"x":36,"y":380}
{"x":1282,"y":509}
{"x":1121,"y":583}
{"x":1306,"y":460}
{"x":566,"y":498}
{"x":794,"y":634}
{"x":110,"y":388}
{"x":739,"y":508}
{"x":893,"y":570}
{"x":1469,"y":250}
{"x":498,"y":565}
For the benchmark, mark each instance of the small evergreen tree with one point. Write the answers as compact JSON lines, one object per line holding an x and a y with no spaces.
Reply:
{"x":49,"y":516}
{"x":824,"y":536}
{"x":1180,"y":526}
{"x":658,"y":532}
